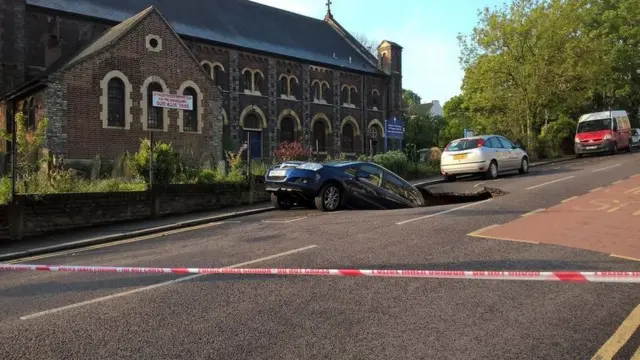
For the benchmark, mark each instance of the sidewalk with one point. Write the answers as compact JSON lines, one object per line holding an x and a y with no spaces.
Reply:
{"x":101,"y":234}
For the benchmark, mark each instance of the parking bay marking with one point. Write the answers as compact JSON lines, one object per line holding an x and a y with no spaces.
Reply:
{"x":441,"y":212}
{"x":550,"y":182}
{"x":162,"y":284}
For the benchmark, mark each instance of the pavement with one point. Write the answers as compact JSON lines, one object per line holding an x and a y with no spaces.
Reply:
{"x":121,"y":316}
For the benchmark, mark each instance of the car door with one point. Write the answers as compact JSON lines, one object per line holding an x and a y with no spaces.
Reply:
{"x":394,"y":192}
{"x":496,"y":151}
{"x":369,"y":179}
{"x":512,"y":155}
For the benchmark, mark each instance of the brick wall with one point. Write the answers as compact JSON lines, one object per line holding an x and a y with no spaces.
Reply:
{"x":12,"y":44}
{"x":44,"y":214}
{"x":75,"y":97}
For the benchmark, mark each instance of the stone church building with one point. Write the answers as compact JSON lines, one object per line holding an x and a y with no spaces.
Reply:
{"x":255,"y":73}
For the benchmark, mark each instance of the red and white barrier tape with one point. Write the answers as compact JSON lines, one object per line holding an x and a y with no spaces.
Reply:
{"x":573,"y":276}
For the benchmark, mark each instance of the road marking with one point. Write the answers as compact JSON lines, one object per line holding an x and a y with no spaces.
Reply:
{"x":624,"y":257}
{"x":162,"y":284}
{"x":285,"y":221}
{"x":476,"y":232}
{"x":607,"y":168}
{"x":569,"y":199}
{"x":441,"y":212}
{"x":620,"y":337}
{"x":636,"y":356}
{"x":616,"y":182}
{"x":635,"y":176}
{"x":478,"y":184}
{"x":596,"y":189}
{"x":550,"y":182}
{"x":532,"y":212}
{"x":116,"y":243}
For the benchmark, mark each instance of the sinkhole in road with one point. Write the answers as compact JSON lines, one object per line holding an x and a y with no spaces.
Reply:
{"x":436,"y":196}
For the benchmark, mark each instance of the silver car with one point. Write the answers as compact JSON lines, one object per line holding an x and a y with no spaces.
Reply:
{"x":486,"y":154}
{"x":635,"y":137}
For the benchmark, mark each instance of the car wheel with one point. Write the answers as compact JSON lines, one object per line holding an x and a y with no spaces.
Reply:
{"x":629,"y":148}
{"x":329,"y":198}
{"x":281,"y":202}
{"x":524,"y":166}
{"x":578,"y":156}
{"x":450,"y":178}
{"x":614,"y":149}
{"x":492,"y":171}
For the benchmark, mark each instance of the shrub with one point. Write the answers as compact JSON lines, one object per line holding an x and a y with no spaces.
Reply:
{"x":394,"y":160}
{"x":166,"y":162}
{"x":291,"y":150}
{"x":556,"y":138}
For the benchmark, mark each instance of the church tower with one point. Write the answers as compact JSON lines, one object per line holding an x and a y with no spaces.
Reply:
{"x":390,"y":61}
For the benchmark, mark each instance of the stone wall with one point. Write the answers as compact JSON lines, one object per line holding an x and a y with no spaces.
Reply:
{"x":42,"y":214}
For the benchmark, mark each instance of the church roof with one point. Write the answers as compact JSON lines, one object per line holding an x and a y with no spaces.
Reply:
{"x":241,"y":23}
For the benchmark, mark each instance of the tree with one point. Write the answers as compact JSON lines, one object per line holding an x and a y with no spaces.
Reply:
{"x":409,"y":98}
{"x":455,"y":118}
{"x":369,"y":44}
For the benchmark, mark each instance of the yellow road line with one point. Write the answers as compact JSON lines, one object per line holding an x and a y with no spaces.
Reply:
{"x":114,"y":243}
{"x":636,"y":356}
{"x":624,"y":257}
{"x":532,"y":212}
{"x":596,"y":189}
{"x":569,"y":199}
{"x":620,"y":337}
{"x":476,"y":232}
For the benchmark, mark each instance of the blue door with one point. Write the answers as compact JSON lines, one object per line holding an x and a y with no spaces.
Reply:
{"x":256,"y":144}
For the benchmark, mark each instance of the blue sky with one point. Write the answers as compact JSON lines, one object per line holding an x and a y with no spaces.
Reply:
{"x":427,"y":30}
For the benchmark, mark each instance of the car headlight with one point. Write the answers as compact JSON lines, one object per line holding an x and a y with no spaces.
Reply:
{"x":310,"y":166}
{"x":577,"y":140}
{"x":607,"y":137}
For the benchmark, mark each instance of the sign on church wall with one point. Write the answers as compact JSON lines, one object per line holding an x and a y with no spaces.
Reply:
{"x":172,"y":101}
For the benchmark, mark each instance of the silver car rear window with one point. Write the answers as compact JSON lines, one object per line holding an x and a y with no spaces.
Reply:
{"x":464,"y":144}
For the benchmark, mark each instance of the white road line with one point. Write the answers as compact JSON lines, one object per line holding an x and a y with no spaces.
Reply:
{"x":441,"y":212}
{"x":550,"y":182}
{"x":162,"y":284}
{"x":607,"y":168}
{"x":285,"y":221}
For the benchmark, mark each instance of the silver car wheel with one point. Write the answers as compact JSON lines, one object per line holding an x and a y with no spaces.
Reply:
{"x":494,"y":170}
{"x":331,"y":198}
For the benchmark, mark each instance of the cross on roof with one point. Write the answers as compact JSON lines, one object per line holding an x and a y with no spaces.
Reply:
{"x":329,"y":6}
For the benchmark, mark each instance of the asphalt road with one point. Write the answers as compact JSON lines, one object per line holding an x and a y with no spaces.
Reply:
{"x":120,"y":316}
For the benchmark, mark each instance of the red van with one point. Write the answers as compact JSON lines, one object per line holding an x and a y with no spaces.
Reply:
{"x":603,"y":132}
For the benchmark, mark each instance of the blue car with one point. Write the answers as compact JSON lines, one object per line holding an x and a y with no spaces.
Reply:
{"x":331,"y":186}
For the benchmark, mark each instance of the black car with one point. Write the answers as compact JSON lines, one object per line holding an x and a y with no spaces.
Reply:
{"x":330,"y":186}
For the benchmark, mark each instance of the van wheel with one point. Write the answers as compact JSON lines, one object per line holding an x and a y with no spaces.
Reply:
{"x":629,"y":149}
{"x":450,"y":178}
{"x":281,"y":202}
{"x":614,"y":149}
{"x":492,"y":171}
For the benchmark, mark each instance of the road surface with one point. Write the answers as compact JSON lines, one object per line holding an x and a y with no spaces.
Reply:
{"x":123,"y":316}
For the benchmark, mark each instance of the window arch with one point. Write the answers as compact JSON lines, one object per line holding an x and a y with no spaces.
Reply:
{"x":218,"y":72}
{"x":110,"y":98}
{"x":317,"y":91}
{"x":353,"y":96}
{"x":190,"y":117}
{"x":252,"y":121}
{"x":347,"y":139}
{"x":155,"y":115}
{"x":30,"y":122}
{"x":320,"y":132}
{"x":287,"y":129}
{"x":248,"y":80}
{"x":191,"y":120}
{"x":284,"y":85}
{"x":345,"y":94}
{"x":207,"y":67}
{"x":116,"y":102}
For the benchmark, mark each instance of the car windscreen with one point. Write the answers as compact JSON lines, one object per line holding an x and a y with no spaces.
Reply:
{"x":463,"y":144}
{"x":594,"y":125}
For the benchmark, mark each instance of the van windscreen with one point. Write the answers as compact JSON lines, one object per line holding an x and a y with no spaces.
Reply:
{"x":594,"y":125}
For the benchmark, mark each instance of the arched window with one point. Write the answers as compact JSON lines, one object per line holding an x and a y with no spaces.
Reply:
{"x":257,"y":79}
{"x":347,"y":138}
{"x":251,"y":122}
{"x":374,"y":99}
{"x":248,"y":80}
{"x":284,"y":85}
{"x":190,"y":119}
{"x":316,"y":91}
{"x":31,"y":114}
{"x":207,"y":68}
{"x":353,"y":96}
{"x":218,"y":75}
{"x":324,"y":91}
{"x":155,"y":115}
{"x":345,"y":95}
{"x":115,"y":102}
{"x":287,"y":129}
{"x":319,"y":136}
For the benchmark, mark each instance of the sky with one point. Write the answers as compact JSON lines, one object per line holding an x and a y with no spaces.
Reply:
{"x":426,"y":29}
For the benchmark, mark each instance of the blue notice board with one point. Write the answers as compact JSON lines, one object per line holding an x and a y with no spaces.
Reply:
{"x":395,"y":129}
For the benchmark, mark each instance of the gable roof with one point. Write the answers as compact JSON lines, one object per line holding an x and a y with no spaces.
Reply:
{"x":241,"y":23}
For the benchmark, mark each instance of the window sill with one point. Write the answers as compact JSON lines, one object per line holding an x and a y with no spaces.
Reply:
{"x":115,"y":127}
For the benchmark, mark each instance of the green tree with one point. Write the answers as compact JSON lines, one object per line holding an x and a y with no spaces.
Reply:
{"x":455,"y":119}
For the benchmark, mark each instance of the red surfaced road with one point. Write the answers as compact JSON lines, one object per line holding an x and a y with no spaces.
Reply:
{"x":605,"y":220}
